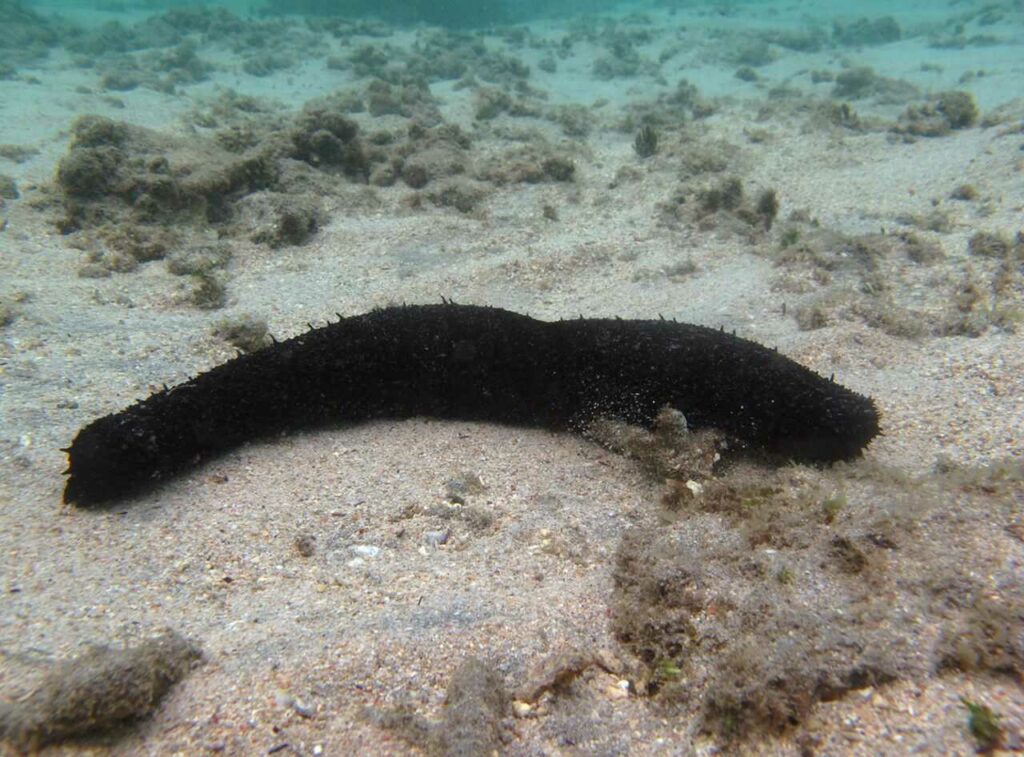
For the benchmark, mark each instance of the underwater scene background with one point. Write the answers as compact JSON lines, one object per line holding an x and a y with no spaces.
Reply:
{"x":181,"y":183}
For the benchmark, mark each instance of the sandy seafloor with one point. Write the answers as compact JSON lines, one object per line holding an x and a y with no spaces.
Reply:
{"x":212,"y":553}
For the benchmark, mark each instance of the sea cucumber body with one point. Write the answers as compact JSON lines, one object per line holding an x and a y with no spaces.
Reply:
{"x":472,"y":363}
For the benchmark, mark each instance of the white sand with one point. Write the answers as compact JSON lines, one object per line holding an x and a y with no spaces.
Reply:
{"x":212,"y":552}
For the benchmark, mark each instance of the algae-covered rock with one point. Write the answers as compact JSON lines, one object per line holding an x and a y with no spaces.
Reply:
{"x":102,"y":688}
{"x":939,"y":116}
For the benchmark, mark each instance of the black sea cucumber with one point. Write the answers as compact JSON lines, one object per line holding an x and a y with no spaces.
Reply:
{"x":473,"y":363}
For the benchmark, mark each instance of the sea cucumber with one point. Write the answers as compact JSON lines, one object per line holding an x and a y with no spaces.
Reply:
{"x":473,"y":363}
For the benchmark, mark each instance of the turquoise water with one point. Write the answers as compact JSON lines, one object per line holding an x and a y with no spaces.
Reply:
{"x":931,"y":46}
{"x":949,"y":35}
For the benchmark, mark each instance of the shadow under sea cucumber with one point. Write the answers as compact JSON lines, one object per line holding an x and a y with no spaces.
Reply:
{"x":468,"y":362}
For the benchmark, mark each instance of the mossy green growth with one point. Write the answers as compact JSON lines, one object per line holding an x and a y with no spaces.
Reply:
{"x":246,"y":333}
{"x":949,"y":111}
{"x":7,"y":314}
{"x":789,"y":237}
{"x":208,"y":292}
{"x":959,"y":109}
{"x":984,"y":725}
{"x":831,"y":506}
{"x":668,"y":669}
{"x":843,"y":114}
{"x":646,"y":142}
{"x":767,"y":207}
{"x":726,"y":195}
{"x":758,"y":496}
{"x":856,"y":83}
{"x":559,"y":169}
{"x":8,"y":188}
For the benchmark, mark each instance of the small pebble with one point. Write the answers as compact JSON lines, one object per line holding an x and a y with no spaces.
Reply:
{"x":437,"y":538}
{"x":305,"y":545}
{"x":287,"y":700}
{"x":366,"y":550}
{"x":618,"y":690}
{"x":460,"y":487}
